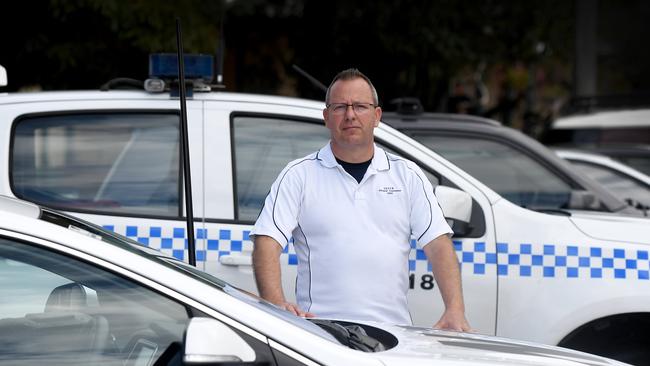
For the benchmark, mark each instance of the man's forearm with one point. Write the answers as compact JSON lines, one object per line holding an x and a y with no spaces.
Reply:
{"x":442,"y":256}
{"x":266,"y":267}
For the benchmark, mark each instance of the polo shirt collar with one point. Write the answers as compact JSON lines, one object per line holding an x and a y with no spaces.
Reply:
{"x":379,"y":159}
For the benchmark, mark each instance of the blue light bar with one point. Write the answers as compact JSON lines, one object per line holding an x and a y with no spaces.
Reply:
{"x":197,"y":66}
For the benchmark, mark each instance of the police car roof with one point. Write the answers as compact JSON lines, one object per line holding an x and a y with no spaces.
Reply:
{"x":11,"y":98}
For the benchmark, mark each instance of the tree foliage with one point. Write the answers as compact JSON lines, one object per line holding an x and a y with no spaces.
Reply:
{"x":407,"y":47}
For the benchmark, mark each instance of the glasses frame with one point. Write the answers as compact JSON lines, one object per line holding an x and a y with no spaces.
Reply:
{"x":353,"y":105}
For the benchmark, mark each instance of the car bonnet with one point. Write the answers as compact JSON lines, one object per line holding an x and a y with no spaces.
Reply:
{"x":612,"y":227}
{"x":427,"y":346}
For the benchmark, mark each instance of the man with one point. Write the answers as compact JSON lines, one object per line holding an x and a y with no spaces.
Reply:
{"x":351,"y":209}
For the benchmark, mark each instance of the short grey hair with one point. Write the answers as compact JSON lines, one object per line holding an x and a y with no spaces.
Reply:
{"x":351,"y":74}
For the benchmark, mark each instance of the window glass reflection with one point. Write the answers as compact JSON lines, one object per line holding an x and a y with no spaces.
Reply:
{"x":57,"y":310}
{"x":263,"y":146}
{"x":99,"y":162}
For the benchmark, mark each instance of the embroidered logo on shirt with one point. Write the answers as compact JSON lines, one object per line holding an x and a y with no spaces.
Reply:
{"x":389,"y":190}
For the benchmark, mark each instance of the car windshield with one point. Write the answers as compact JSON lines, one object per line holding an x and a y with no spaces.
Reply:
{"x":514,"y":175}
{"x":621,"y":185}
{"x":97,"y":232}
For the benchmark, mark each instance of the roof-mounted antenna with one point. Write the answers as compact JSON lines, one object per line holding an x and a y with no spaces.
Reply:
{"x":191,"y":249}
{"x":312,"y":79}
{"x":221,"y":50}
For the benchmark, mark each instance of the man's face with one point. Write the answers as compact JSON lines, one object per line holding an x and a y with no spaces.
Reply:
{"x":350,"y":128}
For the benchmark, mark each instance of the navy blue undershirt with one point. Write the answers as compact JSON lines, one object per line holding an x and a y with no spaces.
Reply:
{"x":356,"y":170}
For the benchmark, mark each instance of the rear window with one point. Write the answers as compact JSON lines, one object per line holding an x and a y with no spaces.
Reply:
{"x":103,"y":162}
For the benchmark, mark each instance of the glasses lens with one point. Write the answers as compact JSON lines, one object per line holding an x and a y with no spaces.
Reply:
{"x":358,"y":108}
{"x":339,"y":108}
{"x":361,"y":108}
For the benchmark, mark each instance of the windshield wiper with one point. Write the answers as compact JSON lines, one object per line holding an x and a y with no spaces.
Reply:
{"x":351,"y":335}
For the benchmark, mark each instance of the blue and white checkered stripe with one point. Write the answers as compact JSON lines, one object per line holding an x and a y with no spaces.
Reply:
{"x":173,"y":241}
{"x":572,"y":261}
{"x":472,"y":256}
{"x":514,"y":260}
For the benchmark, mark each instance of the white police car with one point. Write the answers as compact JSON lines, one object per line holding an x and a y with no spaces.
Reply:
{"x":576,"y":278}
{"x":74,"y":294}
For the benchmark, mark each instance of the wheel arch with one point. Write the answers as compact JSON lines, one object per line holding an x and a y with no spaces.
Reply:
{"x":623,"y":337}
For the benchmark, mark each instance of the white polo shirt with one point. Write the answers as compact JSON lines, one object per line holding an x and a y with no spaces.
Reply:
{"x":352,"y":239}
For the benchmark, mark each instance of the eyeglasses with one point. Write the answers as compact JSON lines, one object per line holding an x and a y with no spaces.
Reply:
{"x":358,"y":108}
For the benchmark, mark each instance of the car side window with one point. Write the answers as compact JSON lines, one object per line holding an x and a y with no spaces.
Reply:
{"x":99,"y":162}
{"x":622,"y":186}
{"x":263,"y":147}
{"x":63,"y":310}
{"x":514,"y":175}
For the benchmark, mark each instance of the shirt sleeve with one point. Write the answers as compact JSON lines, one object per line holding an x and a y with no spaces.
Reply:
{"x":279,"y":216}
{"x":427,"y":219}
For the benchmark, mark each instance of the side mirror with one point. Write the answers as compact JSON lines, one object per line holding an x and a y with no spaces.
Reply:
{"x":3,"y":76}
{"x":208,"y":341}
{"x":457,"y":207}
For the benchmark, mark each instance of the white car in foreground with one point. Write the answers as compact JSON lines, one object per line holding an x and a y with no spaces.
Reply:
{"x":73,"y":293}
{"x":623,"y":181}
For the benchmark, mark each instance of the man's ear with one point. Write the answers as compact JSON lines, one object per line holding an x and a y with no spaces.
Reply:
{"x":377,"y":116}
{"x":326,"y":113}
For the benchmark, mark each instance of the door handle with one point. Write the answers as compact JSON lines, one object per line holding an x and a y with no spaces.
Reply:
{"x":236,"y":260}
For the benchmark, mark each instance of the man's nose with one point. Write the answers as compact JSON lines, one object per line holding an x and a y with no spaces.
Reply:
{"x":349,"y":112}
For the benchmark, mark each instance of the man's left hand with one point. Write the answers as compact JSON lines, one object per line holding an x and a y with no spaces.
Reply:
{"x":453,"y":320}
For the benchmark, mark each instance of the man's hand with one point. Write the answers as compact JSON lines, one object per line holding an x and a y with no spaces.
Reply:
{"x":441,"y":255}
{"x":295,"y":310}
{"x":266,"y":267}
{"x":453,"y":320}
